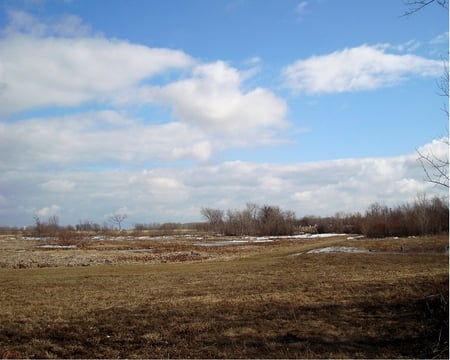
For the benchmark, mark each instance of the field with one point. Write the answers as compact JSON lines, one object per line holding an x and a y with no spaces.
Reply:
{"x":191,"y":296}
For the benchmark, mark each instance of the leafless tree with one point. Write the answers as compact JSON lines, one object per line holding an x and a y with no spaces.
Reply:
{"x":434,"y":167}
{"x":213,"y":216}
{"x":118,"y":219}
{"x":414,"y":6}
{"x":38,"y":226}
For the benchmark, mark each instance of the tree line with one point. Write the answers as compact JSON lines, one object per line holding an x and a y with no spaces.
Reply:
{"x":422,"y":217}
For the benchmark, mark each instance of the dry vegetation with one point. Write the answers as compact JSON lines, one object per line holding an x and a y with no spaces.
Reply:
{"x":170,"y":297}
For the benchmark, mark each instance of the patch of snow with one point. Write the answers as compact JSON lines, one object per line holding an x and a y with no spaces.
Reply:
{"x":48,"y":246}
{"x":335,"y":249}
{"x":308,"y":236}
{"x":262,"y":240}
{"x":326,"y":235}
{"x":356,"y":237}
{"x":296,"y":254}
{"x":234,"y":242}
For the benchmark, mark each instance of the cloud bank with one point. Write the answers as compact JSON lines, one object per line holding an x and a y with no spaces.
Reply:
{"x":177,"y":194}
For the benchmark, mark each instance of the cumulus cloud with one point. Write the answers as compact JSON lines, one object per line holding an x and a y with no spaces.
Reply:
{"x":55,"y":71}
{"x":213,"y":98}
{"x":97,"y":138}
{"x":48,"y":211}
{"x":438,"y":148}
{"x":355,"y":69}
{"x":106,"y":138}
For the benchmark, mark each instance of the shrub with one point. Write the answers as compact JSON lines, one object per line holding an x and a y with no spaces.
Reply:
{"x":70,"y":237}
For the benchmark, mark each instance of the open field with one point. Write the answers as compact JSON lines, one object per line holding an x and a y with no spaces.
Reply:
{"x":268,"y":298}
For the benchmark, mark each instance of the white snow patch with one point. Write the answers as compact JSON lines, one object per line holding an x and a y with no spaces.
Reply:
{"x":48,"y":246}
{"x":234,"y":242}
{"x":312,"y":236}
{"x":356,"y":237}
{"x":263,"y":239}
{"x":335,"y":249}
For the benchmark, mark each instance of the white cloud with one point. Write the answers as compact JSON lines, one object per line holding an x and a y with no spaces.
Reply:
{"x":106,"y":138}
{"x":64,"y":25}
{"x":97,"y":138}
{"x":440,"y":39}
{"x":159,"y":187}
{"x":51,"y":71}
{"x":48,"y":211}
{"x":438,"y":148}
{"x":253,"y":61}
{"x":301,"y":7}
{"x":213,"y":98}
{"x":21,"y":21}
{"x":356,"y":69}
{"x":408,"y":46}
{"x":178,"y":193}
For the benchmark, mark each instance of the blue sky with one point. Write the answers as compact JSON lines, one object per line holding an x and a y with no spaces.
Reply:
{"x":157,"y":108}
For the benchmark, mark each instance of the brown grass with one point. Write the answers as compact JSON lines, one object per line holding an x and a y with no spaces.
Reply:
{"x":265,"y":304}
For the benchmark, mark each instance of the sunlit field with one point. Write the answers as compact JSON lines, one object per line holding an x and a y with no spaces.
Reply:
{"x":190,"y":295}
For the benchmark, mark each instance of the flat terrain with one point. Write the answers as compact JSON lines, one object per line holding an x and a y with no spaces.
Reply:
{"x":184,"y":296}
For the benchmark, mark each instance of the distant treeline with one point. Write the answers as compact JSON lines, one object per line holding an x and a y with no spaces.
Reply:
{"x":423,"y":217}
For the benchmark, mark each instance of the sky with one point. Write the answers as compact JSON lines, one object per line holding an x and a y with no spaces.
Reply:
{"x":156,"y":109}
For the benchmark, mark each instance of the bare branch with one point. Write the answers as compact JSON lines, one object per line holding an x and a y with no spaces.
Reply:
{"x":435,"y":168}
{"x":443,"y":85}
{"x":118,"y":219}
{"x":417,"y":5}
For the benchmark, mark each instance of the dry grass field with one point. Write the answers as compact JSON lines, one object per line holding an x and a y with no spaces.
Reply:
{"x":177,"y":298}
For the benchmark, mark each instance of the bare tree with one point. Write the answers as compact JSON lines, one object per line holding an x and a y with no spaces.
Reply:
{"x":38,"y":227}
{"x":53,"y":225}
{"x":434,"y":167}
{"x":214,"y":217}
{"x":118,"y":219}
{"x":417,"y":5}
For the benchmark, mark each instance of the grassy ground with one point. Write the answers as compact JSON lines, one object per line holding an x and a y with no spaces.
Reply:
{"x":389,"y":303}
